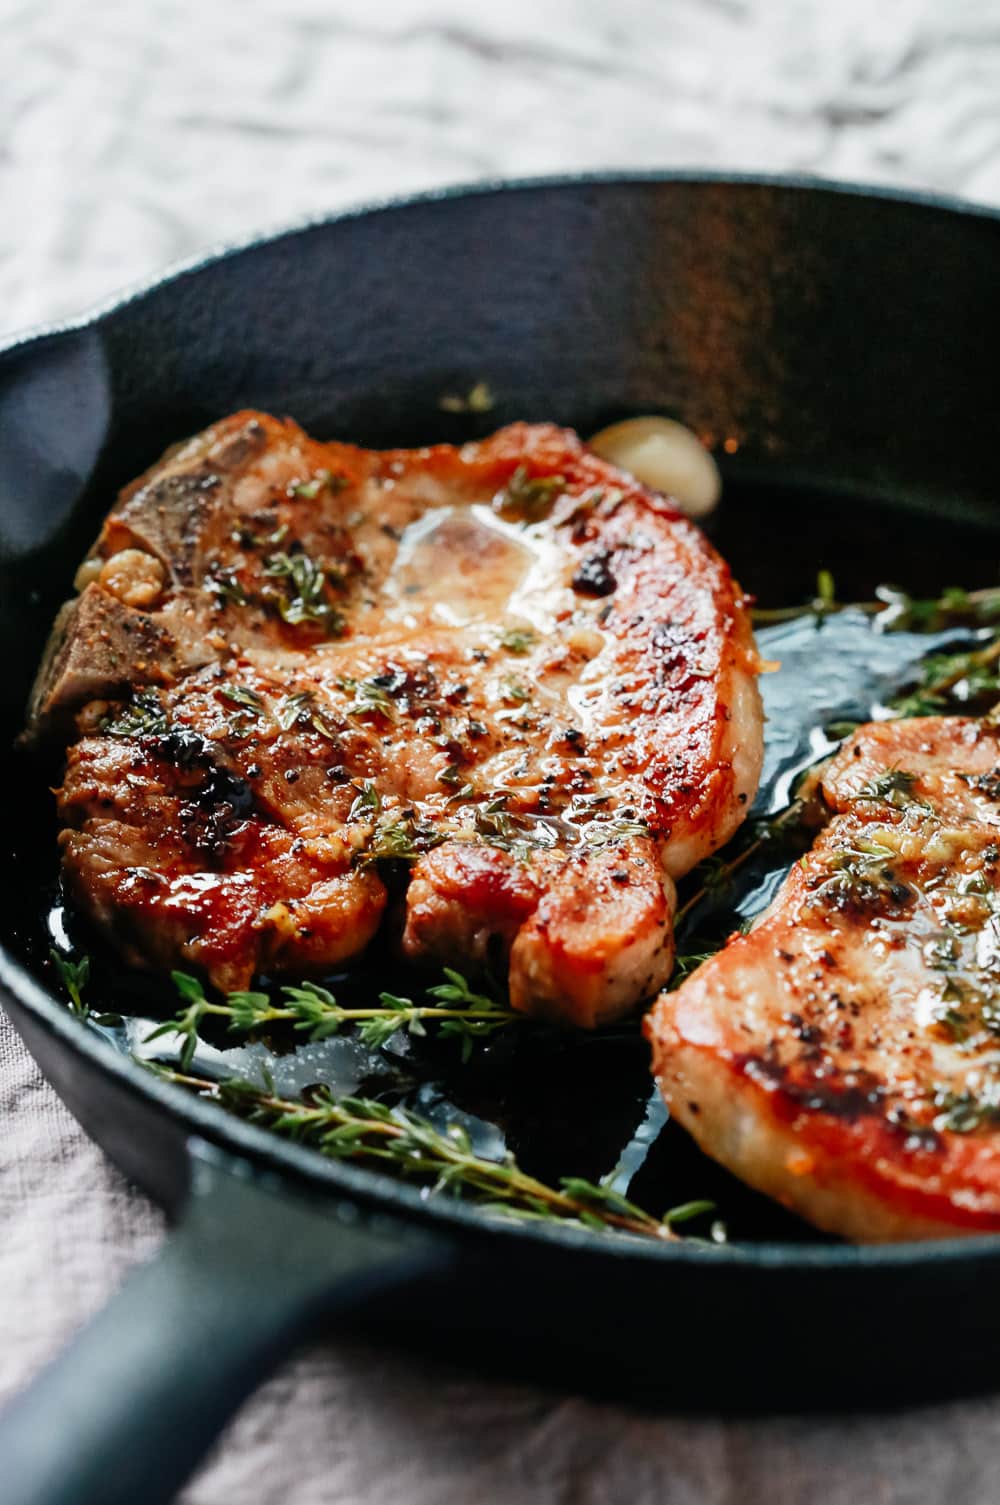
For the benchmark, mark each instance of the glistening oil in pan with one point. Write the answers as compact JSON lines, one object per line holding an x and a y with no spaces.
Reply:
{"x":568,"y":1103}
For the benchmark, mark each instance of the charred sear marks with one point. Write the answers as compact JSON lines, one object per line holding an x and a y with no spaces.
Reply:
{"x":594,"y":575}
{"x":987,"y":784}
{"x":852,"y":1096}
{"x":214,"y":803}
{"x":862,"y":894}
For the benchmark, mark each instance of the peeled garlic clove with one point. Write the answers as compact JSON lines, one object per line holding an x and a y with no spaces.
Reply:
{"x":665,"y":456}
{"x":88,"y":572}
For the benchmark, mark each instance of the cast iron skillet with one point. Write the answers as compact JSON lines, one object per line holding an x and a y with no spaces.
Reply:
{"x":848,"y":341}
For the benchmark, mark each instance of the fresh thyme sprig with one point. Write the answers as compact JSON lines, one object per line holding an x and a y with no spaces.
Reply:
{"x":954,"y":607}
{"x":314,"y":1011}
{"x":474,"y":1016}
{"x":976,"y":674}
{"x":442,"y":1160}
{"x":364,"y":1129}
{"x":947,"y":681}
{"x":75,"y":976}
{"x":896,"y":609}
{"x":715,"y":874}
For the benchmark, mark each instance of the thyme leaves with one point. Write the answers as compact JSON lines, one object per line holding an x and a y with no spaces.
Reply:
{"x":949,"y":679}
{"x":531,"y":496}
{"x":74,"y":975}
{"x":495,"y":826}
{"x":714,"y":875}
{"x":305,"y":594}
{"x":402,"y":840}
{"x":453,"y":778}
{"x":227,"y":587}
{"x":968,"y":679}
{"x":473,"y":1016}
{"x":689,"y":961}
{"x":514,"y":691}
{"x":323,"y":480}
{"x":518,"y":640}
{"x":392,"y":841}
{"x":245,"y":698}
{"x":142,"y":716}
{"x":313,"y":1010}
{"x":370,"y":697}
{"x":954,"y":607}
{"x":893,"y":786}
{"x":965,"y":1111}
{"x":295,"y":585}
{"x":368,"y":801}
{"x":300,"y":711}
{"x":604,"y":832}
{"x":295,"y":708}
{"x":712,"y":879}
{"x":187,"y":1023}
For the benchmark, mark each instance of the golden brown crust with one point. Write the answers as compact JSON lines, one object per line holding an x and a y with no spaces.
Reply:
{"x":843,"y":1056}
{"x":509,"y":647}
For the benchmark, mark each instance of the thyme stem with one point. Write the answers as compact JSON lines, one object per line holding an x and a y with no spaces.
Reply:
{"x":722,"y":872}
{"x":979,"y":659}
{"x":982,"y":606}
{"x":274,"y":1013}
{"x":456,"y":1009}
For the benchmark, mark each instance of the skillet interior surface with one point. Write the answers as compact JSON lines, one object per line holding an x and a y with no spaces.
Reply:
{"x":837,"y":348}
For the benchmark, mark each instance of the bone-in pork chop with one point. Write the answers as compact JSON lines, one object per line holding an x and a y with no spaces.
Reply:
{"x":844,"y":1056}
{"x":498,"y":696}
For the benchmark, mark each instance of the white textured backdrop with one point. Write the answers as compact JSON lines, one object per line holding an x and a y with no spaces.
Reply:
{"x":133,"y":134}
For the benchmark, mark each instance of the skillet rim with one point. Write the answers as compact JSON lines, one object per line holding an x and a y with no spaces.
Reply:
{"x":223,"y":250}
{"x":378,"y":1192}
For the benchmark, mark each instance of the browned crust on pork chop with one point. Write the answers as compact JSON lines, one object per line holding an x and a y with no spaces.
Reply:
{"x":503,"y":656}
{"x":843,"y":1056}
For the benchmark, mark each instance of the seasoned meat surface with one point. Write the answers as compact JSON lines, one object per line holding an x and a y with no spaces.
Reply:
{"x":844,"y":1056}
{"x":498,"y":696}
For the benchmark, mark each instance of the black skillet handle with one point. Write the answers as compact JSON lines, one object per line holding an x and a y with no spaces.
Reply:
{"x":130,"y":1408}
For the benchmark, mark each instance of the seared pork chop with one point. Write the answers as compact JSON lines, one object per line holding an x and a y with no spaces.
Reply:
{"x":295,"y":667}
{"x":844,"y":1056}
